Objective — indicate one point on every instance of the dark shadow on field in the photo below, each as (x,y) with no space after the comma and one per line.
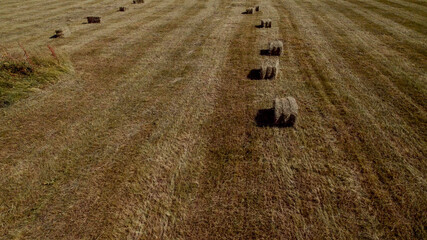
(255,74)
(264,52)
(265,118)
(259,26)
(4,103)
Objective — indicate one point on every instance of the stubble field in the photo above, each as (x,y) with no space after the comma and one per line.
(156,133)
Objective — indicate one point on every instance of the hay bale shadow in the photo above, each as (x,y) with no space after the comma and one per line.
(54,36)
(255,74)
(264,52)
(259,26)
(265,118)
(245,12)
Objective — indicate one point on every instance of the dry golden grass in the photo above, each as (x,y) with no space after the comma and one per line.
(157,133)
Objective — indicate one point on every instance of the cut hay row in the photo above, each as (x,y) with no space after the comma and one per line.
(285,109)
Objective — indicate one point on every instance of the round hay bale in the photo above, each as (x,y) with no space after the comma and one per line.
(62,32)
(285,111)
(263,71)
(268,24)
(274,71)
(59,33)
(276,48)
(249,10)
(268,72)
(93,19)
(122,9)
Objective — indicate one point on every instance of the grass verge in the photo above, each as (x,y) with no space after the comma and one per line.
(21,76)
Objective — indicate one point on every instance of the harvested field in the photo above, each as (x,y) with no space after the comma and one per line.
(154,131)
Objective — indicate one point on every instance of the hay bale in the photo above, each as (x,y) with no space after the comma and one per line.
(269,70)
(275,48)
(59,33)
(285,111)
(266,23)
(122,9)
(93,19)
(249,10)
(274,70)
(262,71)
(138,1)
(62,32)
(257,8)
